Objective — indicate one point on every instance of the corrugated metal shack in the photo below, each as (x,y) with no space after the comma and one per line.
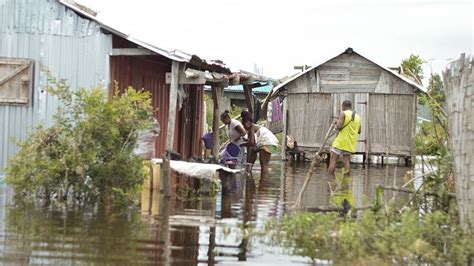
(385,100)
(67,39)
(43,34)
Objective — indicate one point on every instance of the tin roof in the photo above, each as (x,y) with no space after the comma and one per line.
(294,77)
(173,55)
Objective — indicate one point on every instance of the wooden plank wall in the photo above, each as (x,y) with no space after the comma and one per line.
(309,118)
(306,83)
(349,73)
(391,123)
(389,83)
(16,80)
(459,86)
(373,91)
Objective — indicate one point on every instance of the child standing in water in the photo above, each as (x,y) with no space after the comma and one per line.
(261,141)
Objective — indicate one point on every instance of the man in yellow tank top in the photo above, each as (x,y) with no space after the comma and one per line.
(345,142)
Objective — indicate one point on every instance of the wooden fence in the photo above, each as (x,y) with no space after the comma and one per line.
(458,83)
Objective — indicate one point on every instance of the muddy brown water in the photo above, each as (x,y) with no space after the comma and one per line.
(205,231)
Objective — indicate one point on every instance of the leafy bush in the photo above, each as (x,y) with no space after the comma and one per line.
(432,135)
(87,154)
(413,64)
(429,138)
(407,238)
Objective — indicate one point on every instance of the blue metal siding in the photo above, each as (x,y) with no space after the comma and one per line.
(239,88)
(56,38)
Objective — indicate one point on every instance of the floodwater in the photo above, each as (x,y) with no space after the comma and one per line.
(203,231)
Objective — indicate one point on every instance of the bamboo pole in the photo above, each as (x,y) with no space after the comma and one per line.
(311,167)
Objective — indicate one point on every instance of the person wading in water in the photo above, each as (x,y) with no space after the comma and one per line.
(261,141)
(236,132)
(345,142)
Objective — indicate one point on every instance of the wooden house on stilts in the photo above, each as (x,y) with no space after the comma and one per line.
(385,100)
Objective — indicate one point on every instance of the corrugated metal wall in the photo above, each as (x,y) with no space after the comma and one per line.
(56,38)
(309,129)
(191,122)
(149,72)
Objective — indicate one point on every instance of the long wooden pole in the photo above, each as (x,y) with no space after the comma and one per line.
(217,93)
(249,100)
(309,174)
(165,169)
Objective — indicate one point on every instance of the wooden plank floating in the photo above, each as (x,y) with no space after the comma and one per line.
(406,190)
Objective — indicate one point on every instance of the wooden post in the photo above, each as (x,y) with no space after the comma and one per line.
(459,86)
(147,188)
(413,131)
(165,169)
(249,99)
(285,129)
(164,234)
(386,127)
(367,129)
(217,94)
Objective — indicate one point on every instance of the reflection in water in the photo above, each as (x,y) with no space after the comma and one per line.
(342,194)
(51,235)
(359,187)
(207,231)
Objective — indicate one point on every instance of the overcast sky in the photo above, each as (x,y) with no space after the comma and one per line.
(276,35)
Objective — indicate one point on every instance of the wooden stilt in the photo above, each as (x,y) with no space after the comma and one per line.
(166,172)
(367,131)
(226,206)
(217,94)
(249,99)
(386,128)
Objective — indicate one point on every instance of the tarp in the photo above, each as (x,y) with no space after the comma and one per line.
(198,170)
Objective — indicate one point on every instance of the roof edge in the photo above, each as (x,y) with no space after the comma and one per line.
(286,82)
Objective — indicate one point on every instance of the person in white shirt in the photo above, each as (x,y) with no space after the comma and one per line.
(261,141)
(236,133)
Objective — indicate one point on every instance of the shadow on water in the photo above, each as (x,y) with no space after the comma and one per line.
(205,231)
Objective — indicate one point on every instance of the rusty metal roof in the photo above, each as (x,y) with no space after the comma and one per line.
(175,55)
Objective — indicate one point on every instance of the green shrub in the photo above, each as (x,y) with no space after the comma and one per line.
(87,154)
(411,237)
